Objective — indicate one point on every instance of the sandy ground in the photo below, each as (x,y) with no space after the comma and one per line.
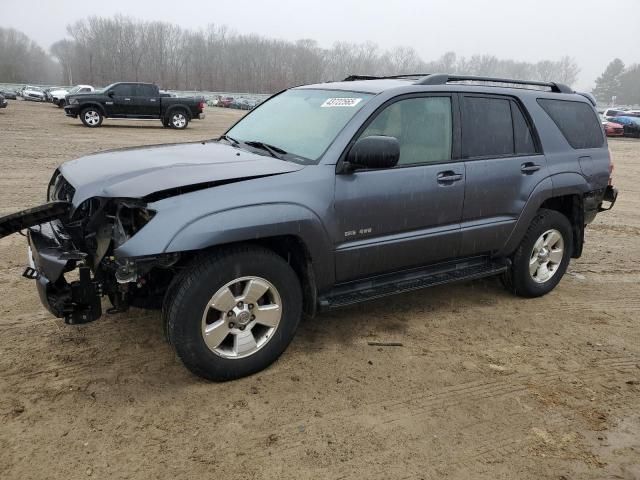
(485,386)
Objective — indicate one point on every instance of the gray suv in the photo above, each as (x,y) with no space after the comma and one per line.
(323,196)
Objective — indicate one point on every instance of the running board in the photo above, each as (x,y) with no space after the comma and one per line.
(382,286)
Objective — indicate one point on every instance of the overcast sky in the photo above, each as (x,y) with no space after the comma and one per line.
(591,31)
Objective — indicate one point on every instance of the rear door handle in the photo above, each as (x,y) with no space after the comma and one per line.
(127,99)
(448,177)
(529,167)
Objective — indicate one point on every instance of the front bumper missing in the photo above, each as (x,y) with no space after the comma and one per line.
(77,301)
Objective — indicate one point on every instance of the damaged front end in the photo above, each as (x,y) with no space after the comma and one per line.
(72,254)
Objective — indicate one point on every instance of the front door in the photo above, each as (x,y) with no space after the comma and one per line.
(122,101)
(409,215)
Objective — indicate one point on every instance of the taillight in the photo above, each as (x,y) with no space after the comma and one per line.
(201,106)
(610,167)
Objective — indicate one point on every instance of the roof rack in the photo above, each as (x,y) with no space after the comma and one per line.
(352,78)
(443,78)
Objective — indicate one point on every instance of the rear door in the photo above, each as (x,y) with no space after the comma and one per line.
(147,101)
(503,162)
(406,216)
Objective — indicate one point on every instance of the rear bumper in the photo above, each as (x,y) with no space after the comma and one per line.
(201,116)
(599,201)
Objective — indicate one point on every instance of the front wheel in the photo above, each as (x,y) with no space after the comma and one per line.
(91,117)
(542,257)
(178,119)
(234,313)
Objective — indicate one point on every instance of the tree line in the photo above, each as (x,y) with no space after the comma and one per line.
(102,50)
(618,84)
(22,60)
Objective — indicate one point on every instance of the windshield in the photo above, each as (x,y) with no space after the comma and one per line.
(302,123)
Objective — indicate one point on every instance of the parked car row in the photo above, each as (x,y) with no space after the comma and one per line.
(621,122)
(237,103)
(58,96)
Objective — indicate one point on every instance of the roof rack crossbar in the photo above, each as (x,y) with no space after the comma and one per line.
(443,78)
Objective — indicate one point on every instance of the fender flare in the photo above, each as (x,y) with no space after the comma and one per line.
(97,105)
(568,183)
(246,224)
(178,106)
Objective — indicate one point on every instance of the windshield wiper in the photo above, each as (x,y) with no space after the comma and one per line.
(229,139)
(275,152)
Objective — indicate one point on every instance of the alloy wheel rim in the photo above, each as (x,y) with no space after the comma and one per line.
(179,120)
(546,256)
(241,317)
(92,117)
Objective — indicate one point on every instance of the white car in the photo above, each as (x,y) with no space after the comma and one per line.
(35,94)
(58,96)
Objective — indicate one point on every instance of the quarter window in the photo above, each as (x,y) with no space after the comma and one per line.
(423,127)
(576,120)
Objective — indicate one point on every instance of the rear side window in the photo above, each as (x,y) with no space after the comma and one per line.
(576,120)
(495,127)
(145,91)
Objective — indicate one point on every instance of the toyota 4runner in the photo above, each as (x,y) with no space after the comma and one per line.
(323,196)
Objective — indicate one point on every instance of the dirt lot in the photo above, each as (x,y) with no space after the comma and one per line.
(485,386)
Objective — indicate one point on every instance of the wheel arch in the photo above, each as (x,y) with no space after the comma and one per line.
(292,231)
(95,105)
(179,106)
(563,193)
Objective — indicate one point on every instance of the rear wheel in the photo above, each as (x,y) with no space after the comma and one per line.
(178,119)
(234,313)
(542,257)
(91,117)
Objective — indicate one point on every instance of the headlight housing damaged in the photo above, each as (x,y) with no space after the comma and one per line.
(131,216)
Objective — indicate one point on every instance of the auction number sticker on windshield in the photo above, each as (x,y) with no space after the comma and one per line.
(341,102)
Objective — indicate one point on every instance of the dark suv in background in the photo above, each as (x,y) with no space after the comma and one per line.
(323,196)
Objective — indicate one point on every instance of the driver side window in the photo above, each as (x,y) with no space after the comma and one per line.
(423,127)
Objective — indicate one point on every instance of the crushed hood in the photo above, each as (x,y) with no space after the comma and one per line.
(141,171)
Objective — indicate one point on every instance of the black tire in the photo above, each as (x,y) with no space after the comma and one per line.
(178,119)
(196,289)
(518,278)
(93,112)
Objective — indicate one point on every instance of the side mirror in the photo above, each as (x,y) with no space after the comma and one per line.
(373,152)
(111,94)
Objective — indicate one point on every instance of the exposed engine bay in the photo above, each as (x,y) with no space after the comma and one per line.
(86,238)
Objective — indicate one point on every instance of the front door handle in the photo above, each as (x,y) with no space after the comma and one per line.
(448,177)
(529,167)
(127,99)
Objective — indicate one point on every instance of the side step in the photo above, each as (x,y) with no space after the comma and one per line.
(382,286)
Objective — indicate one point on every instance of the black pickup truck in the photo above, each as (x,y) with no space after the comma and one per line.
(139,101)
